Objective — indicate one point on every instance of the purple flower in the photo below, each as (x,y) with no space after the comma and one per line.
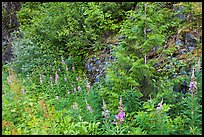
(79,88)
(66,68)
(73,68)
(114,121)
(77,78)
(56,78)
(59,69)
(193,85)
(159,107)
(89,108)
(63,61)
(120,116)
(74,89)
(50,78)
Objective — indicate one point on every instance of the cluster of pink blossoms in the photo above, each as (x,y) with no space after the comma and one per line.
(120,116)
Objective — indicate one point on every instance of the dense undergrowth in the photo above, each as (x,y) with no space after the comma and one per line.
(45,89)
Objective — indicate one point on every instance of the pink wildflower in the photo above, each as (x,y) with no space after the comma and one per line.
(56,78)
(79,88)
(73,68)
(193,83)
(63,61)
(159,107)
(89,108)
(74,89)
(77,78)
(120,116)
(50,78)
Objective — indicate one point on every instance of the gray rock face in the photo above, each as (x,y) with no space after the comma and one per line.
(179,42)
(190,40)
(179,14)
(7,53)
(97,64)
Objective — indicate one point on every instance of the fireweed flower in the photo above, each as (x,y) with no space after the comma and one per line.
(56,78)
(193,83)
(73,68)
(89,107)
(120,116)
(77,78)
(74,89)
(50,78)
(79,88)
(159,107)
(63,61)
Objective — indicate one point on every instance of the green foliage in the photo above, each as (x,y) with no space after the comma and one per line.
(45,88)
(154,121)
(65,29)
(28,56)
(131,71)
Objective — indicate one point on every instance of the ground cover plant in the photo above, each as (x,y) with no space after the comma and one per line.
(152,84)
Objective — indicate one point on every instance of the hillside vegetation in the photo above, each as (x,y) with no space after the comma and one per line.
(102,68)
